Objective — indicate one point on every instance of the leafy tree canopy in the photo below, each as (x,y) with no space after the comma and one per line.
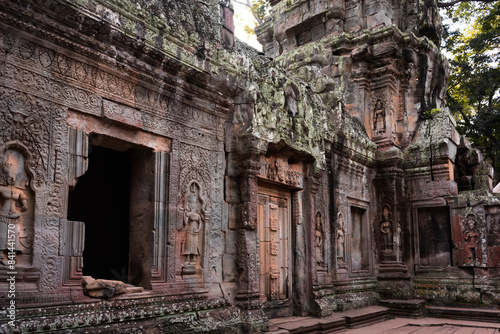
(473,41)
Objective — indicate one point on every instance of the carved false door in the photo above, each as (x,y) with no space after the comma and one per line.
(274,217)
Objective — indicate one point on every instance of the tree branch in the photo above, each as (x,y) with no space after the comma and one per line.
(248,4)
(454,2)
(493,92)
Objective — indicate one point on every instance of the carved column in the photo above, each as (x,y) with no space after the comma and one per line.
(391,228)
(253,318)
(322,294)
(248,291)
(313,190)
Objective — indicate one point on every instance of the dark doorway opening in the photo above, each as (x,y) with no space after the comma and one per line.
(434,232)
(101,199)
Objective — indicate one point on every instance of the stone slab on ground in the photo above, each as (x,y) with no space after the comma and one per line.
(364,315)
(375,319)
(476,314)
(412,308)
(426,326)
(335,322)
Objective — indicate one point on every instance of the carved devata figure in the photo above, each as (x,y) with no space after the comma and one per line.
(386,229)
(320,242)
(340,242)
(379,118)
(194,218)
(14,202)
(471,239)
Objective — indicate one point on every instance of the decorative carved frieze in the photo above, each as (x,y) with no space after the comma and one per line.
(121,113)
(279,170)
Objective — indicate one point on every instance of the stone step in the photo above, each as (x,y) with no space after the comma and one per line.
(473,314)
(371,314)
(335,322)
(411,308)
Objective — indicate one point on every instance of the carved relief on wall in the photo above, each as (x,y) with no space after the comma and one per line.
(277,169)
(386,229)
(471,250)
(194,221)
(390,236)
(26,121)
(397,238)
(340,237)
(379,118)
(320,240)
(16,207)
(471,236)
(383,117)
(198,164)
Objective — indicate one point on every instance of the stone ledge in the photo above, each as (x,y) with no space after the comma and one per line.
(472,314)
(337,321)
(412,308)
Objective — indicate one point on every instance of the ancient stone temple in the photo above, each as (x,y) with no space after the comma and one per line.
(194,184)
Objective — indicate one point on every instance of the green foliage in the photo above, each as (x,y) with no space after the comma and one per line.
(429,114)
(474,83)
(259,10)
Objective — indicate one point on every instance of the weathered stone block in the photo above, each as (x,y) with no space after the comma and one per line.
(318,32)
(334,26)
(121,113)
(232,190)
(229,268)
(304,38)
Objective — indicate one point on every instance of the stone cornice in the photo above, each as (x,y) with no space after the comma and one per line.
(121,51)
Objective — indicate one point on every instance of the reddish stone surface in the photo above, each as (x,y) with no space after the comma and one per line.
(140,144)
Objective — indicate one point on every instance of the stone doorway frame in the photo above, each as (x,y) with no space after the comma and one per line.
(358,204)
(284,306)
(73,233)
